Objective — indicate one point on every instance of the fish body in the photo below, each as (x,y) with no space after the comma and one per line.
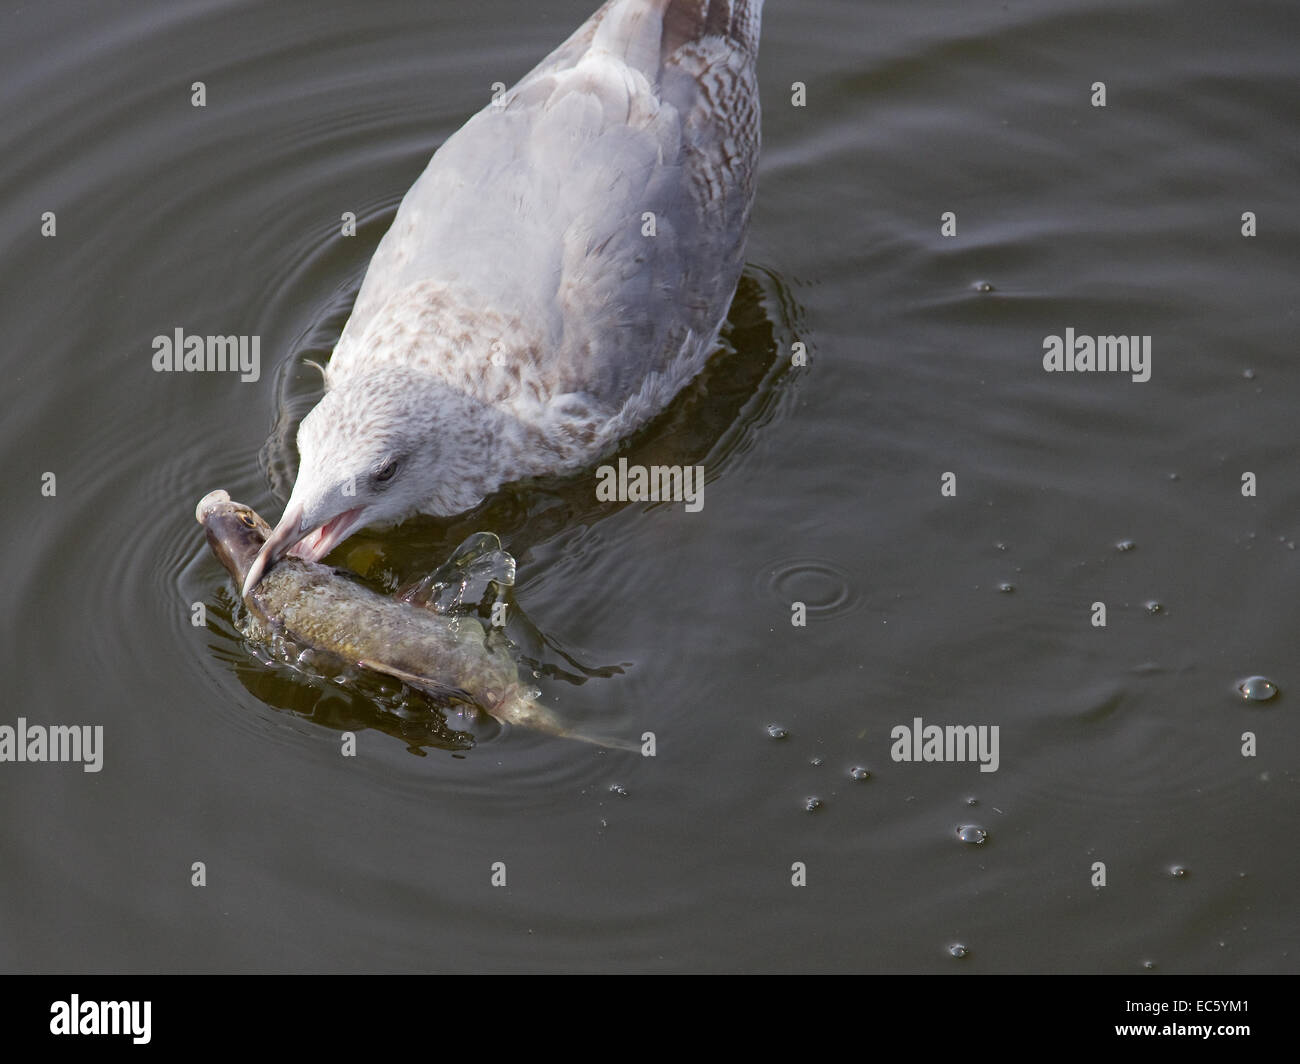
(315,606)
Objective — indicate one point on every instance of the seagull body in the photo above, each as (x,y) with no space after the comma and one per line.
(555,276)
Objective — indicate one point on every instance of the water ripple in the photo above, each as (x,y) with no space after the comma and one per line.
(823,587)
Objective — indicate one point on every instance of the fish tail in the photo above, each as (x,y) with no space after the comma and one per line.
(608,743)
(520,708)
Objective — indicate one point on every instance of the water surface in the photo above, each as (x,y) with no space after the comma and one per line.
(1120,745)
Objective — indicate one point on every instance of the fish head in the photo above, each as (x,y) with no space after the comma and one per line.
(236,533)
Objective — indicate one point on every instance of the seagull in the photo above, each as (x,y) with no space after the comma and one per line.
(556,275)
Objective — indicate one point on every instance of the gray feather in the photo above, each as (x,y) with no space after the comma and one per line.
(515,286)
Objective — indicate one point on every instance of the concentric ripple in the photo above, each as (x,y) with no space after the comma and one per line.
(825,589)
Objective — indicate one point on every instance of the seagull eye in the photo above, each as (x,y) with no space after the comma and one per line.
(388,472)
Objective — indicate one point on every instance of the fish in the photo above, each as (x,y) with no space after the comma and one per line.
(321,608)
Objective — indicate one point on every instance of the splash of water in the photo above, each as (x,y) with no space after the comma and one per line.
(478,575)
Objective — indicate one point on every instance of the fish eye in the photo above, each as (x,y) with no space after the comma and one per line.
(248,520)
(388,472)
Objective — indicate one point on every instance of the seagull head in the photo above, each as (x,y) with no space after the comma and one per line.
(373,451)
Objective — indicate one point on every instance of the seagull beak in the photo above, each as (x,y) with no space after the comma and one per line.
(298,535)
(288,532)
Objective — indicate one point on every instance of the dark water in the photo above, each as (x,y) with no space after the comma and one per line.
(1120,745)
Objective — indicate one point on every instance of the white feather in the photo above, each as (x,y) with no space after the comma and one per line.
(514,319)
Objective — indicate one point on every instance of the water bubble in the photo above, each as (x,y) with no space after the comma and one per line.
(983,286)
(619,789)
(860,774)
(1125,545)
(1154,607)
(813,804)
(816,762)
(1178,871)
(1249,374)
(1257,689)
(777,732)
(958,950)
(1149,965)
(973,834)
(972,801)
